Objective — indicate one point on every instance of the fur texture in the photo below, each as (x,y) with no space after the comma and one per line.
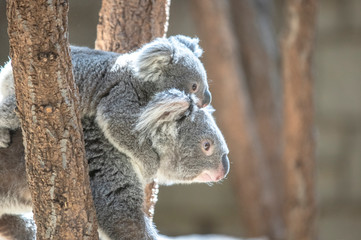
(115,87)
(141,121)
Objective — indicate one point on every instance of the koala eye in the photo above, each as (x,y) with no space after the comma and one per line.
(194,87)
(207,147)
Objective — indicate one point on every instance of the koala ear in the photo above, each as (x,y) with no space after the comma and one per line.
(163,111)
(191,43)
(153,58)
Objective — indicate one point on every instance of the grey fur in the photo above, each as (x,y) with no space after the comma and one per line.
(8,120)
(115,87)
(175,136)
(137,127)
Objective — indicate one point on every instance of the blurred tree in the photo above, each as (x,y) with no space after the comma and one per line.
(234,110)
(47,103)
(255,33)
(275,161)
(125,26)
(299,144)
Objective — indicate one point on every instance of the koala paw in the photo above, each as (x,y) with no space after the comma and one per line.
(4,138)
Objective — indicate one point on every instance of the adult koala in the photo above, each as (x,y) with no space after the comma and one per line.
(189,146)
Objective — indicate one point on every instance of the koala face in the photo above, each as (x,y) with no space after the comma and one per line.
(174,63)
(199,153)
(187,74)
(189,143)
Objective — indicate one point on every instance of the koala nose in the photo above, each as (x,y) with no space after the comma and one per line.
(207,98)
(225,163)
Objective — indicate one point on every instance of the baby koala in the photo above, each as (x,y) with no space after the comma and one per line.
(185,138)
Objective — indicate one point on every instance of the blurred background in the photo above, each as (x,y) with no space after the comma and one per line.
(336,71)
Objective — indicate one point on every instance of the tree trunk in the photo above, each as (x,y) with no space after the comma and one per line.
(234,113)
(299,152)
(259,51)
(125,26)
(47,101)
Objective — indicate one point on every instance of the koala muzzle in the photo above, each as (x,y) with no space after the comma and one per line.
(225,163)
(207,98)
(215,175)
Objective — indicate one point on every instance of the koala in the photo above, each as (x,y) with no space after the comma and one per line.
(114,87)
(186,139)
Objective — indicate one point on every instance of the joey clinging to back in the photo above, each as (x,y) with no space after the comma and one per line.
(132,80)
(160,65)
(113,87)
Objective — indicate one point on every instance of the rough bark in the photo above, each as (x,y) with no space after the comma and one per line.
(234,112)
(299,152)
(255,32)
(47,102)
(124,26)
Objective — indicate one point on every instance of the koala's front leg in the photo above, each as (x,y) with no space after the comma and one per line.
(116,190)
(118,200)
(8,120)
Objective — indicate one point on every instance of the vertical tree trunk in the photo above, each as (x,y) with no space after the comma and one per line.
(299,152)
(124,26)
(234,113)
(259,51)
(260,57)
(47,101)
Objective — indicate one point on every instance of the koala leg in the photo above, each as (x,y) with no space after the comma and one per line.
(119,211)
(8,120)
(117,192)
(17,227)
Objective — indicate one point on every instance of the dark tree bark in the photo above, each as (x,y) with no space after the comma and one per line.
(124,26)
(47,102)
(299,152)
(234,113)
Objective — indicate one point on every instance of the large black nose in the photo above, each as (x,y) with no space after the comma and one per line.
(225,163)
(207,98)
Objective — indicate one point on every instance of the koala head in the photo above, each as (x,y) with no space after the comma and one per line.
(190,145)
(173,63)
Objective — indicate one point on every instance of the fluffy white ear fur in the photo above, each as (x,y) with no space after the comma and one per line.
(153,58)
(162,112)
(6,81)
(191,43)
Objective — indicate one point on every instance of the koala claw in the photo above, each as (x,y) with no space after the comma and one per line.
(4,138)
